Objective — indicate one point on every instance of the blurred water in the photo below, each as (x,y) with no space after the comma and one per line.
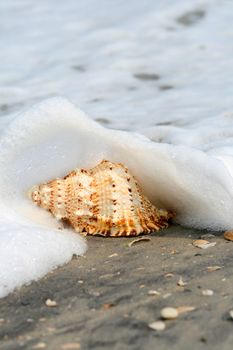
(128,64)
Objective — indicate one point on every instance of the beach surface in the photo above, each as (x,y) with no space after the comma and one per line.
(162,69)
(108,298)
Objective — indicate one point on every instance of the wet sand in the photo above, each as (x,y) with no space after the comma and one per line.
(103,301)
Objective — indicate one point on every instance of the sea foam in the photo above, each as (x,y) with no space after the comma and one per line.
(52,138)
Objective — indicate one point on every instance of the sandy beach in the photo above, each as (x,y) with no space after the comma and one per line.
(108,298)
(158,76)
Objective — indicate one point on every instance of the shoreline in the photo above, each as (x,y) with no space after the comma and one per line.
(103,300)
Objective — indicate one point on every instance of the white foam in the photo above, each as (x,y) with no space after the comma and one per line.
(53,138)
(31,243)
(28,252)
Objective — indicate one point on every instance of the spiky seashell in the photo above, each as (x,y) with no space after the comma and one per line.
(103,200)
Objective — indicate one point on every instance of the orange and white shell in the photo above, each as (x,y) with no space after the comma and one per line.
(104,200)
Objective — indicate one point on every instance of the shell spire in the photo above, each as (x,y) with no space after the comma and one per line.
(104,200)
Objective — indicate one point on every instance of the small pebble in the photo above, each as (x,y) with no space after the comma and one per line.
(167,295)
(231,314)
(207,292)
(203,244)
(40,345)
(169,313)
(184,309)
(112,255)
(153,292)
(157,326)
(213,268)
(169,274)
(50,303)
(138,240)
(70,346)
(51,329)
(95,294)
(30,320)
(181,283)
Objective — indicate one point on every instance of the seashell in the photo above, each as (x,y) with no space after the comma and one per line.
(104,200)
